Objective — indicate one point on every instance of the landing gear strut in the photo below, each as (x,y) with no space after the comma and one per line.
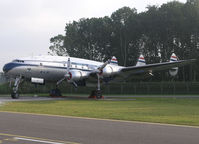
(97,93)
(15,94)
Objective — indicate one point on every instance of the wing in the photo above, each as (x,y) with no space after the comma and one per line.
(128,71)
(138,72)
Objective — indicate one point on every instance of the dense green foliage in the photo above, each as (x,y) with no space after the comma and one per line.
(161,110)
(157,32)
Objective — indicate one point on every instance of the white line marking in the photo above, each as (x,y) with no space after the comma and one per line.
(34,140)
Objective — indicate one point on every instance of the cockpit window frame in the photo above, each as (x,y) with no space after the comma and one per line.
(18,61)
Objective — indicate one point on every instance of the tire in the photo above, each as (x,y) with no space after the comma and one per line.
(98,94)
(14,95)
(55,93)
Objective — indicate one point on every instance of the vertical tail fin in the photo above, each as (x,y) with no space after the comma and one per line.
(114,60)
(141,61)
(173,58)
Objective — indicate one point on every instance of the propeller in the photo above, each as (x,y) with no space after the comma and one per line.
(68,74)
(100,69)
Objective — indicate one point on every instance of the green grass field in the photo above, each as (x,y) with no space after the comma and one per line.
(181,111)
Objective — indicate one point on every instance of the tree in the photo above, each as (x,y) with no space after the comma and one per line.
(156,33)
(122,40)
(57,47)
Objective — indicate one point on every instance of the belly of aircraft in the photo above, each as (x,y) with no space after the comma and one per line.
(46,73)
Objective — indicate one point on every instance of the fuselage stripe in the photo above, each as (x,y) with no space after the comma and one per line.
(14,65)
(173,59)
(141,61)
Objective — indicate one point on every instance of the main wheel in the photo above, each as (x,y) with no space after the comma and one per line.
(15,95)
(98,94)
(55,93)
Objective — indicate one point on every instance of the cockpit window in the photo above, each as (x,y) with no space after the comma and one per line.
(19,61)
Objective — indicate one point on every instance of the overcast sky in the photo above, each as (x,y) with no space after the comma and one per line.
(26,26)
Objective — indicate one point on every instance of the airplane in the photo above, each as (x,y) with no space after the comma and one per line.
(81,72)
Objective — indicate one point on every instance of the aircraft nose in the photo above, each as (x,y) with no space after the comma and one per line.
(7,67)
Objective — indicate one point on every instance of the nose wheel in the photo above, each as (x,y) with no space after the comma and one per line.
(15,94)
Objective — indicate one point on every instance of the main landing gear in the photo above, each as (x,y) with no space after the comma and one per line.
(55,93)
(15,94)
(97,93)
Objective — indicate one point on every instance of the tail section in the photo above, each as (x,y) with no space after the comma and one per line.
(114,60)
(173,58)
(141,61)
(174,71)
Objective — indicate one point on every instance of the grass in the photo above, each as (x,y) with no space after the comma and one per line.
(181,111)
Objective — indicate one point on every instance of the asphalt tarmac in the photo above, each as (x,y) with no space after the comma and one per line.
(36,129)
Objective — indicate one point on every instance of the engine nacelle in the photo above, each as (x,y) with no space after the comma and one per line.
(76,75)
(107,71)
(174,71)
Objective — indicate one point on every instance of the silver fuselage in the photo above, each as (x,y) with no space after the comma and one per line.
(50,68)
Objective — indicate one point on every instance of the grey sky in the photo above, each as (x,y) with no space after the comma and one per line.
(26,26)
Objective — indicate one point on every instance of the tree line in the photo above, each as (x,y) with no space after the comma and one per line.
(156,33)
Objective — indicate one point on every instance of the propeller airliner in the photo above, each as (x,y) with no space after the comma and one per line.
(81,72)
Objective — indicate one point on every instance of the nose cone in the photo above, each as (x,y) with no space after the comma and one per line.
(7,67)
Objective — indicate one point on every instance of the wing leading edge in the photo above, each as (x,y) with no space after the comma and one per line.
(127,71)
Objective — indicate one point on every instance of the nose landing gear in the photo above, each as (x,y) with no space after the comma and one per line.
(15,94)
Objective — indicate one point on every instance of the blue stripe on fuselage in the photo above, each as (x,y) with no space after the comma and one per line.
(141,61)
(12,65)
(173,60)
(9,66)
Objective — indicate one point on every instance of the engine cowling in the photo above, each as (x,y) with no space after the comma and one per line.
(107,71)
(174,71)
(76,75)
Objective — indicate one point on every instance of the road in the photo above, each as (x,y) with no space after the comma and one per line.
(36,129)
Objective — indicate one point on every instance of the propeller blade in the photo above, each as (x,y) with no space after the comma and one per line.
(74,84)
(67,75)
(61,80)
(104,65)
(68,65)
